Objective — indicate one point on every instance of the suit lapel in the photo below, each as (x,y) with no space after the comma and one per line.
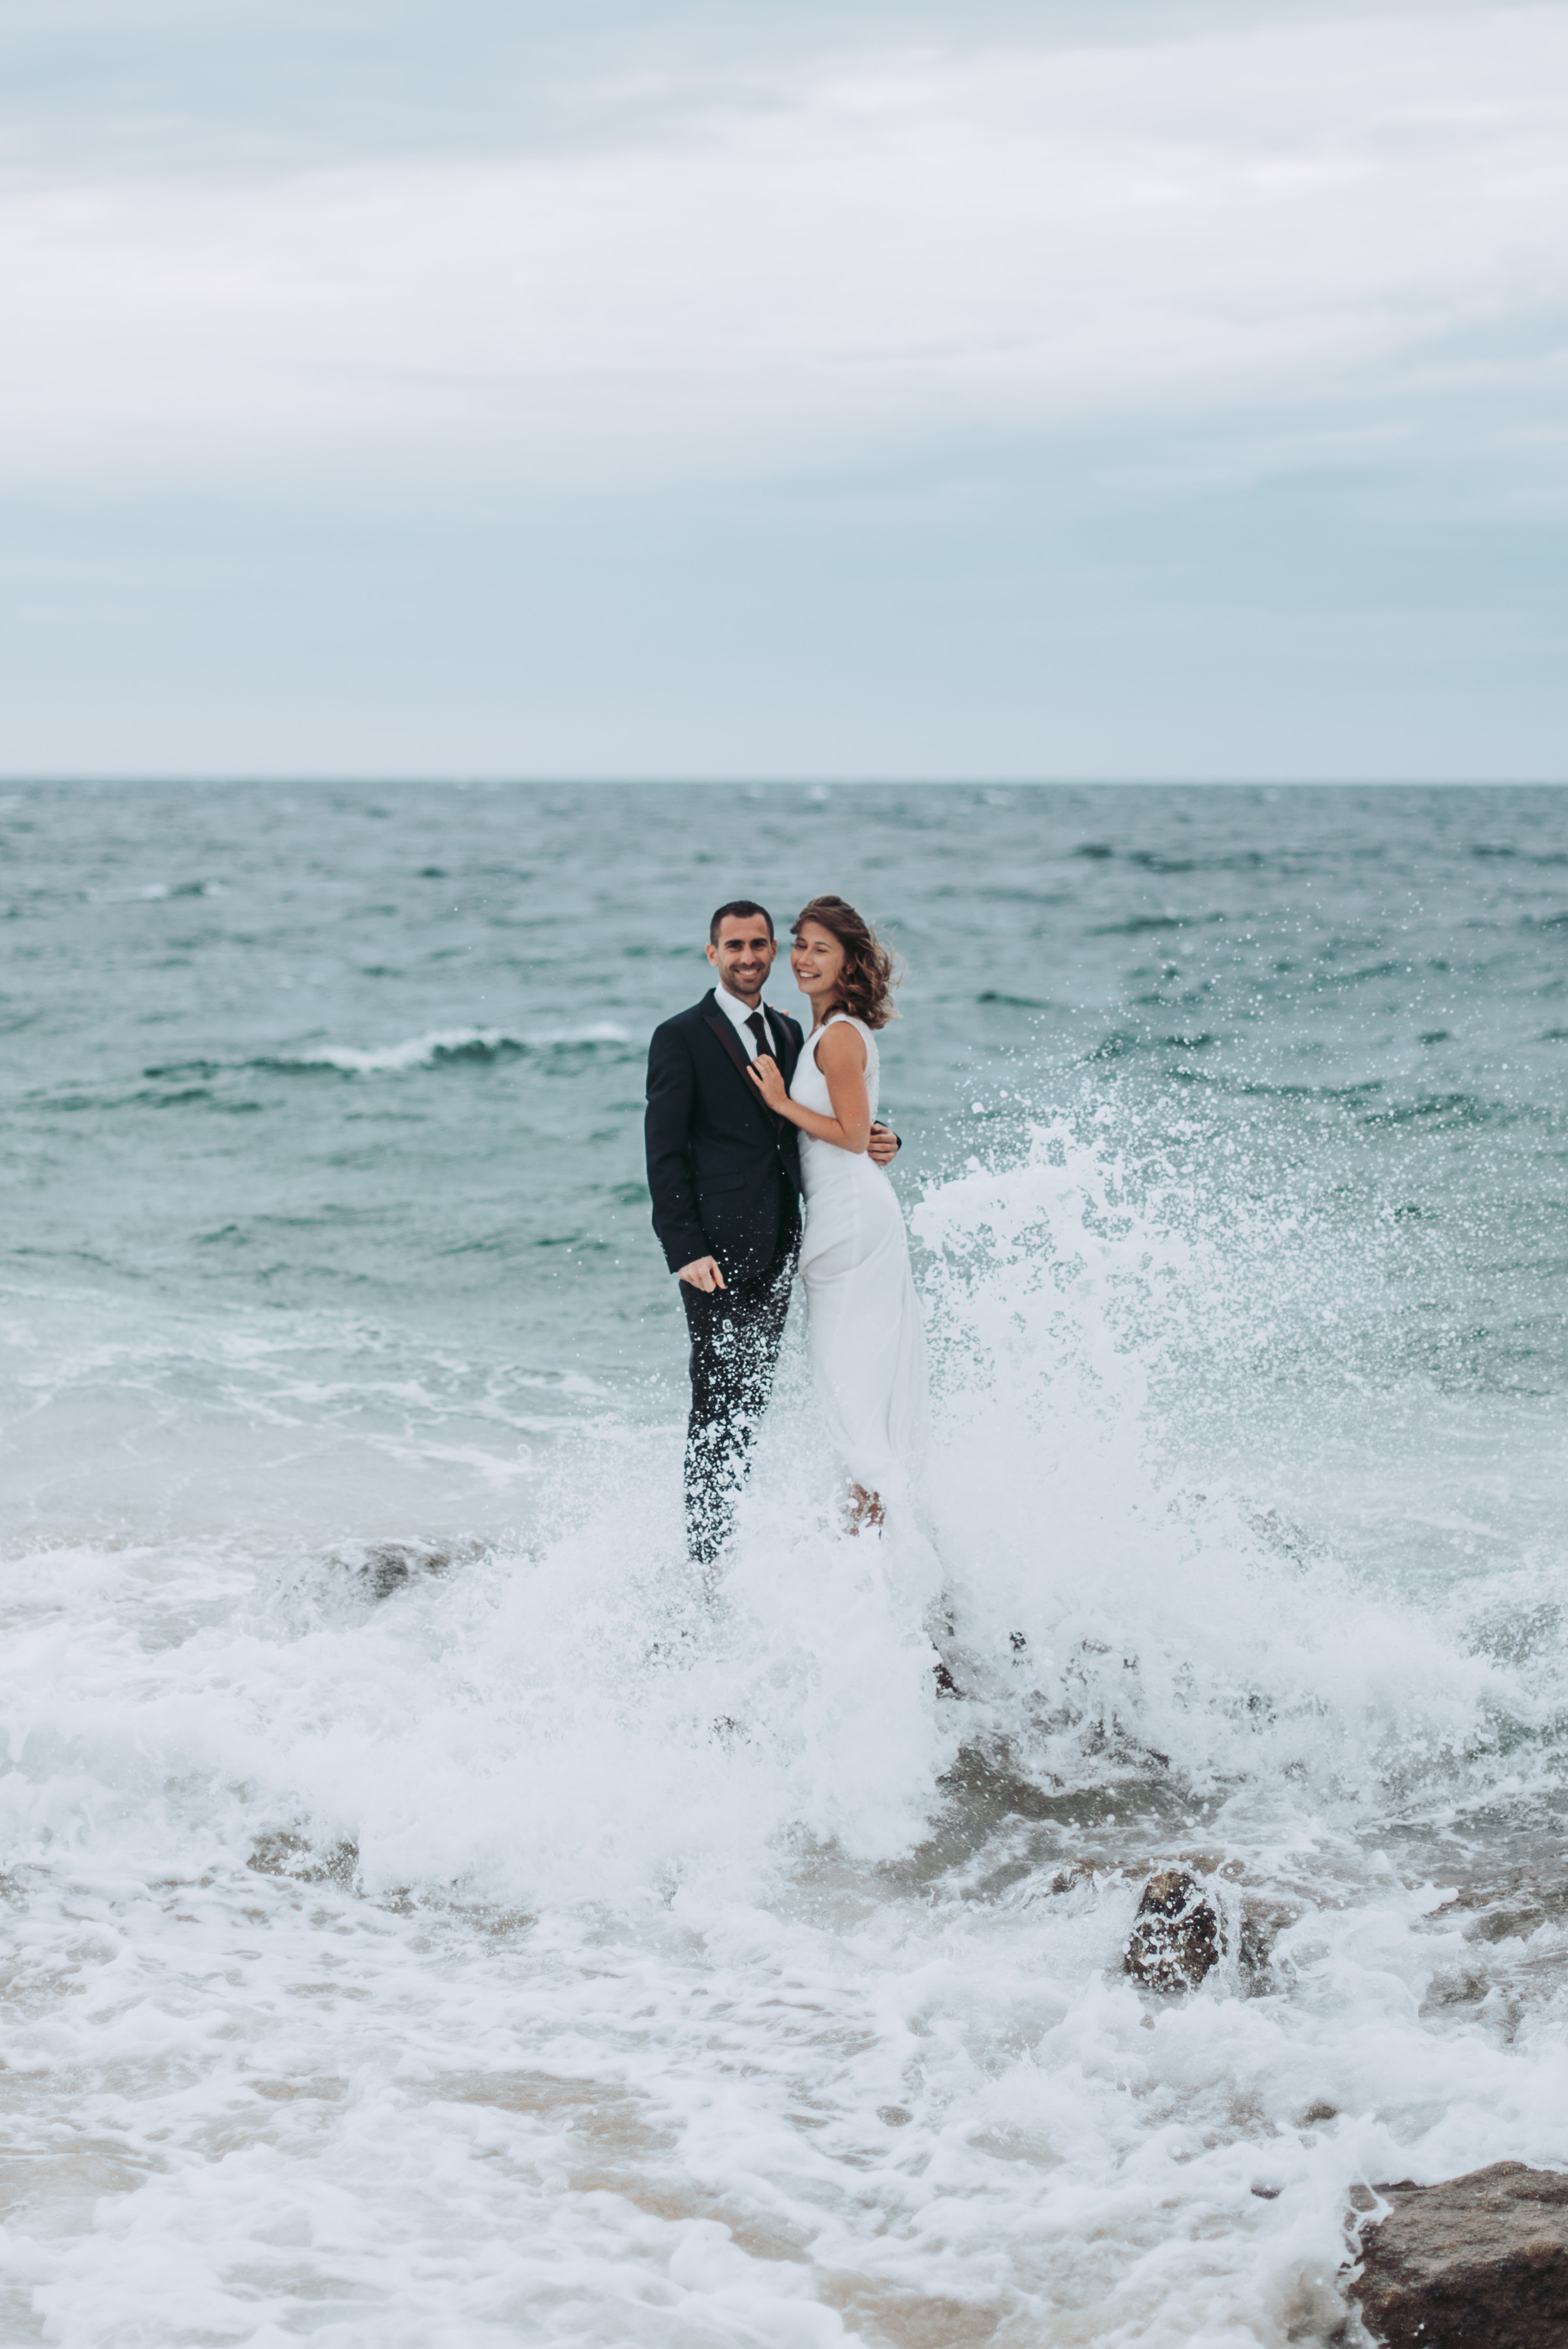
(731,1042)
(737,1052)
(785,1051)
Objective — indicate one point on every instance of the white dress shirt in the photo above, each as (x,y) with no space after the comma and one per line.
(739,1013)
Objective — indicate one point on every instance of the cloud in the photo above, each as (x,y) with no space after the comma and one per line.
(906,246)
(1010,402)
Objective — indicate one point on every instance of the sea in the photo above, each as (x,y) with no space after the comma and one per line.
(428,1922)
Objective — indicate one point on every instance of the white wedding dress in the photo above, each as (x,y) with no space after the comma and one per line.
(867,1341)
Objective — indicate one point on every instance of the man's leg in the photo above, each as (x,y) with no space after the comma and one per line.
(735,1334)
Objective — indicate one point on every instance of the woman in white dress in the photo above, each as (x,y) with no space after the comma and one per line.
(868,1346)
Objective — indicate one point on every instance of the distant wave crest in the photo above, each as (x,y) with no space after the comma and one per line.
(440,1048)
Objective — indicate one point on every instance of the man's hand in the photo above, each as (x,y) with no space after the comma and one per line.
(703,1273)
(883,1144)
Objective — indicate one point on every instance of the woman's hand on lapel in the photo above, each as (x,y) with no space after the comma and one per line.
(765,1074)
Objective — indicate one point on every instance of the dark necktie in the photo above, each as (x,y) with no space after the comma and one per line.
(759,1027)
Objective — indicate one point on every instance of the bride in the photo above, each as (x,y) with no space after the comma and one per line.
(868,1347)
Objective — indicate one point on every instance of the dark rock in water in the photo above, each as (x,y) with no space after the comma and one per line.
(287,1853)
(389,1564)
(1263,1919)
(381,1568)
(1511,1963)
(1478,2262)
(1511,1905)
(1178,1933)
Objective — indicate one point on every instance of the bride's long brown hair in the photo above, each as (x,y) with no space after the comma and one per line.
(868,977)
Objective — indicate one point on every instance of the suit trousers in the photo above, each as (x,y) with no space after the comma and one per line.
(735,1334)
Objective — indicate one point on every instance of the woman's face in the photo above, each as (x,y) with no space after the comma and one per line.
(817,960)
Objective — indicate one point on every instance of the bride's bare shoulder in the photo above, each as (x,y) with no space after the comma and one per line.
(842,1045)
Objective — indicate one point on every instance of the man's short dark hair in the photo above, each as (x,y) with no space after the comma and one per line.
(743,908)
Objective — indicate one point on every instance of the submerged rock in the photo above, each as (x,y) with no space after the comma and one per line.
(1512,1904)
(285,1852)
(381,1568)
(1476,2262)
(1264,1918)
(389,1564)
(1517,1952)
(1179,1934)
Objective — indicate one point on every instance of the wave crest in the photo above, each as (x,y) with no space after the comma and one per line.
(441,1047)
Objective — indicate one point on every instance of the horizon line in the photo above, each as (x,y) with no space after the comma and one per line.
(370,780)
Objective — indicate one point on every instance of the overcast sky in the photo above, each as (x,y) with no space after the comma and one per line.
(779,390)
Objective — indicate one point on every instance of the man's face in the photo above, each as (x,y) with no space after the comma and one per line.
(743,954)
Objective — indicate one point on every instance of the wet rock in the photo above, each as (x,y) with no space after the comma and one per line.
(381,1568)
(1457,1986)
(388,1565)
(1518,1954)
(287,1853)
(1512,1904)
(1179,1934)
(1171,1948)
(1478,2262)
(1263,1919)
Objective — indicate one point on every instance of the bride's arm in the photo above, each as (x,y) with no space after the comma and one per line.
(842,1057)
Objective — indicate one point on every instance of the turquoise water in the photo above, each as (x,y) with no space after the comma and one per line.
(382,1050)
(446,1965)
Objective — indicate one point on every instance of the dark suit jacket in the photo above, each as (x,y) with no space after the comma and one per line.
(724,1172)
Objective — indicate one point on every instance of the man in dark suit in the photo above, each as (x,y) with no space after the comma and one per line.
(725,1175)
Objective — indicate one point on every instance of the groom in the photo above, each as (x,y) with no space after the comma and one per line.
(725,1175)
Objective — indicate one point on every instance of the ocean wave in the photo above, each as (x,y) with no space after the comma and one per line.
(399,1690)
(1137,923)
(438,1049)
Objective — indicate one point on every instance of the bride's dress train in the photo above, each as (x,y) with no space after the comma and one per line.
(867,1341)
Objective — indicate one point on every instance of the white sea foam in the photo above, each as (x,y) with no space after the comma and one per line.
(533,1955)
(451,1044)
